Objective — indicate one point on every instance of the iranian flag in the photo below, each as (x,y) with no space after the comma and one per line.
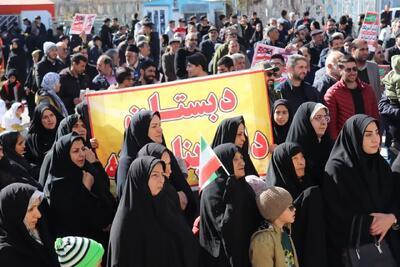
(209,164)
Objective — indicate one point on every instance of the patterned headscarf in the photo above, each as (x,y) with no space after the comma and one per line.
(48,83)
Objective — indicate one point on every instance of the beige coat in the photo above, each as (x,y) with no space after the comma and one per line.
(266,249)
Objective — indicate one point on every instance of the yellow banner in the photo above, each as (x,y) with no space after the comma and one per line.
(189,109)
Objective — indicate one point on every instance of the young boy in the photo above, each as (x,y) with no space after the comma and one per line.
(271,245)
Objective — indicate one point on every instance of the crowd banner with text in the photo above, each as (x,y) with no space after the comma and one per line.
(189,109)
(82,23)
(370,29)
(263,52)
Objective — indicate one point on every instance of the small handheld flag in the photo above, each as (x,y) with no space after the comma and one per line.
(209,164)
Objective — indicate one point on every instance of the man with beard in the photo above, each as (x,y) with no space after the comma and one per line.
(295,89)
(72,81)
(49,63)
(182,54)
(148,73)
(330,29)
(367,70)
(348,97)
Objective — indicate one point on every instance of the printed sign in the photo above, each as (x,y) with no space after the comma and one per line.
(189,109)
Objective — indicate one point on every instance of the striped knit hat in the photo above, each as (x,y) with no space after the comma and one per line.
(78,251)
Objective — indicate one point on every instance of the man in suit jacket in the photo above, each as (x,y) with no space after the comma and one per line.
(394,50)
(367,70)
(168,60)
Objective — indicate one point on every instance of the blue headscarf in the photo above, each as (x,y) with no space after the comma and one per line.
(48,83)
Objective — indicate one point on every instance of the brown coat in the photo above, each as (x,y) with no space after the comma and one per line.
(266,248)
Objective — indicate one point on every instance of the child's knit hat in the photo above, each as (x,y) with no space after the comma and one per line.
(78,251)
(273,201)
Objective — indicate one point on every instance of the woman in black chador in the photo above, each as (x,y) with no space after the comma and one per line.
(24,238)
(233,130)
(146,230)
(281,120)
(358,184)
(41,135)
(175,184)
(228,213)
(77,191)
(288,168)
(308,129)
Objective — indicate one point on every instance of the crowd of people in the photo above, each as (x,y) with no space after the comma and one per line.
(331,193)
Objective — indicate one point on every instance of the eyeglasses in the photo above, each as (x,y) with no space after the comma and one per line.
(319,118)
(232,34)
(348,70)
(193,40)
(292,208)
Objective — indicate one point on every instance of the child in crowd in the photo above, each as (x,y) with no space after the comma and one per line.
(78,252)
(391,81)
(11,91)
(271,245)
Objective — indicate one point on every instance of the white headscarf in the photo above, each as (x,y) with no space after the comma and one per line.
(10,118)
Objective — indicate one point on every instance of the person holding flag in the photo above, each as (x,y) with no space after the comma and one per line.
(228,211)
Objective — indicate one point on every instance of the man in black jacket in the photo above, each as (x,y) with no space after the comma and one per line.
(72,81)
(153,40)
(106,35)
(49,63)
(295,89)
(207,47)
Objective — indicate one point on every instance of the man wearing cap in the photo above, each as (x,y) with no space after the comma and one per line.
(132,60)
(106,35)
(207,47)
(49,62)
(168,60)
(315,46)
(271,37)
(182,54)
(203,27)
(394,50)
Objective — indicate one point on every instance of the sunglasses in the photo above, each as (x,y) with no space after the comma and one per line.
(292,208)
(348,70)
(271,74)
(193,40)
